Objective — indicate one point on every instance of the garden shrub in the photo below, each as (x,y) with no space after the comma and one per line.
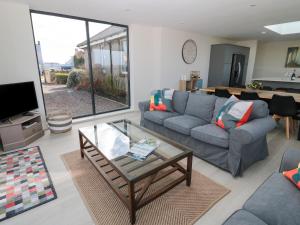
(111,86)
(74,78)
(61,78)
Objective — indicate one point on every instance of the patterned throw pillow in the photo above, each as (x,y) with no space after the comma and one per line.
(293,175)
(234,113)
(162,100)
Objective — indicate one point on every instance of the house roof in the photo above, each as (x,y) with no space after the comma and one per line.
(108,32)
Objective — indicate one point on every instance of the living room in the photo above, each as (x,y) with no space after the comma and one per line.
(94,76)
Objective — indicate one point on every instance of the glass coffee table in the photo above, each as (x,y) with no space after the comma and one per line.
(106,146)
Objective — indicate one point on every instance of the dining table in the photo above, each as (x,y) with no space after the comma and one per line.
(263,94)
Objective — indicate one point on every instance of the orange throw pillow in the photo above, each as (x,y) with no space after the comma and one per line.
(293,175)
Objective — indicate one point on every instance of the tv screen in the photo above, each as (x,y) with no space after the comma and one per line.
(16,99)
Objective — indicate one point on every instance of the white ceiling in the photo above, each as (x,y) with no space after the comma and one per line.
(233,19)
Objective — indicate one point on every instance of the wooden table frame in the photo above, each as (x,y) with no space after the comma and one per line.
(134,198)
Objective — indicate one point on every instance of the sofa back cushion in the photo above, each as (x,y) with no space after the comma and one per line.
(218,105)
(179,101)
(260,110)
(201,106)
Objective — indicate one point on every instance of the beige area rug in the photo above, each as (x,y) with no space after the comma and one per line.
(181,205)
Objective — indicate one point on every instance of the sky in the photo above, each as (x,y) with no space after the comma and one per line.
(59,36)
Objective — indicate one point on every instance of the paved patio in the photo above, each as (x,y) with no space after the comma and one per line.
(77,101)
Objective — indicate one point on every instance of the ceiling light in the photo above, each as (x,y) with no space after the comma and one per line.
(263,32)
(285,28)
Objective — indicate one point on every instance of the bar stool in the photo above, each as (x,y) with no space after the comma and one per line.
(224,93)
(284,107)
(249,95)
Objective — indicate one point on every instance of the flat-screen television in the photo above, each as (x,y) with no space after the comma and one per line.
(16,99)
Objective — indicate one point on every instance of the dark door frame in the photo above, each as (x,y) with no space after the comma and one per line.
(86,20)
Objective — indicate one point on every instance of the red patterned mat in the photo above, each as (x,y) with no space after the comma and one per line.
(24,182)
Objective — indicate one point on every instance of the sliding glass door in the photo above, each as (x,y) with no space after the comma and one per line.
(83,64)
(109,63)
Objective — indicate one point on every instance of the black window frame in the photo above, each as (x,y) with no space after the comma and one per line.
(86,20)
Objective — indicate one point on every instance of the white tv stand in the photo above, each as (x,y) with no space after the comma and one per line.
(19,131)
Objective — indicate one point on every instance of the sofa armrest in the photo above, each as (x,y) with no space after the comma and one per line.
(144,106)
(290,160)
(252,130)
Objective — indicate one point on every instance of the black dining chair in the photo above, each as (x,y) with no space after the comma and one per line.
(282,89)
(224,93)
(249,95)
(293,90)
(284,107)
(267,88)
(297,118)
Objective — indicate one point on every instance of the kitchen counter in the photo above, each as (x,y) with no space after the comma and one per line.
(277,79)
(279,82)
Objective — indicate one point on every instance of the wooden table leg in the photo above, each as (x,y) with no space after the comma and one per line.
(81,145)
(189,170)
(132,208)
(287,127)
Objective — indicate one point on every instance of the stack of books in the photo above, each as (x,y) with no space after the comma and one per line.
(142,149)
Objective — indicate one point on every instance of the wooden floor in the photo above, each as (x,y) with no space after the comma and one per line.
(69,209)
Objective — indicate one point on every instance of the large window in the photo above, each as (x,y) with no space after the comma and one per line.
(83,64)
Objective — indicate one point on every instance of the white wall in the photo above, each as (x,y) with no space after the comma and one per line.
(17,59)
(172,64)
(270,58)
(144,42)
(156,59)
(252,44)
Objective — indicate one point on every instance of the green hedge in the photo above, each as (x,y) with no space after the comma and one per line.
(61,78)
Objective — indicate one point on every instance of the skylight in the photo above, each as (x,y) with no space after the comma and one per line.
(285,28)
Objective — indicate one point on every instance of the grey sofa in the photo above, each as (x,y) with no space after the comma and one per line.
(275,202)
(192,124)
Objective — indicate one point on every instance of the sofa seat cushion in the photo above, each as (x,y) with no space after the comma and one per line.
(211,134)
(158,116)
(183,124)
(276,201)
(243,217)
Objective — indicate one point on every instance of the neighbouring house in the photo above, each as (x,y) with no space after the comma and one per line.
(108,51)
(52,66)
(69,65)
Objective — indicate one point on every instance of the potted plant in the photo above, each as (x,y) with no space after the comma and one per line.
(255,85)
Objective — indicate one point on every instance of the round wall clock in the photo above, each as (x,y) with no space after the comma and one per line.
(189,51)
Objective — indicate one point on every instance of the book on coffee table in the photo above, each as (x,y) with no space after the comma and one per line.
(142,149)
